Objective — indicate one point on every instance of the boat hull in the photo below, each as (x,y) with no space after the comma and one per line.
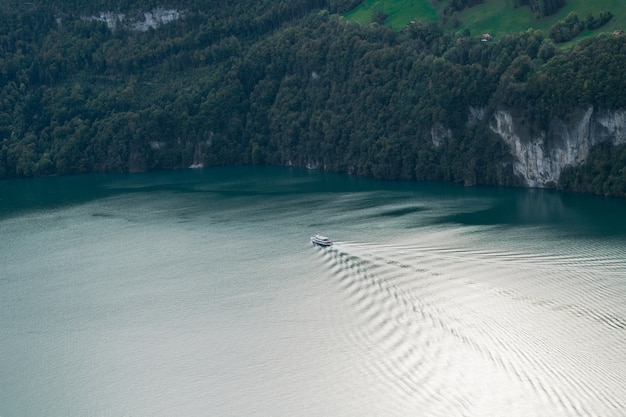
(321,241)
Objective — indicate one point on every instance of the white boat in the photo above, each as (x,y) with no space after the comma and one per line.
(321,240)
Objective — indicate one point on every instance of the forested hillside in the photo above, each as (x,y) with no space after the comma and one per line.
(287,83)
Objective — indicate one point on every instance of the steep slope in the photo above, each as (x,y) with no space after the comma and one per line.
(298,85)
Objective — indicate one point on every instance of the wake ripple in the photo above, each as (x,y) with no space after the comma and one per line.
(475,331)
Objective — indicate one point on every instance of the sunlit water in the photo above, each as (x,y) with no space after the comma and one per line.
(198,293)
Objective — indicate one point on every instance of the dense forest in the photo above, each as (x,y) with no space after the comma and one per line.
(285,83)
(541,7)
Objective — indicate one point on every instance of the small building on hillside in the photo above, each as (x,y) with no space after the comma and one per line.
(618,32)
(486,37)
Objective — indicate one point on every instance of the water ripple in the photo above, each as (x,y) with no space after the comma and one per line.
(473,330)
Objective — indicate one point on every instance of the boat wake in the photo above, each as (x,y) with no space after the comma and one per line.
(473,331)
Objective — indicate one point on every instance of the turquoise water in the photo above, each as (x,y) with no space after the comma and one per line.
(198,293)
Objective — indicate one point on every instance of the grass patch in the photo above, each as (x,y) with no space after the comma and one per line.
(497,17)
(400,12)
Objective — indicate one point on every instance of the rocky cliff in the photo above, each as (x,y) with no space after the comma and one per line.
(140,21)
(540,157)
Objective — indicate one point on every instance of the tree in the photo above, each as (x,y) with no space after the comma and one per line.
(378,13)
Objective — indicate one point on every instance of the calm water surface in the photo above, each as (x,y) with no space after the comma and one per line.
(198,293)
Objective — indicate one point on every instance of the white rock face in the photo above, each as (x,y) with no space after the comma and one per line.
(151,19)
(155,18)
(476,114)
(440,134)
(541,158)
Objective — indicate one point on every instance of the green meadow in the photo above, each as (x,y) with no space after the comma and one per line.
(400,12)
(497,17)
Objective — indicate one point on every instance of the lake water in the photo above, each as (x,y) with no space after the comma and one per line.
(198,293)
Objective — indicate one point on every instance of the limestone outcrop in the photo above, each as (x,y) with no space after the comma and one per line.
(541,157)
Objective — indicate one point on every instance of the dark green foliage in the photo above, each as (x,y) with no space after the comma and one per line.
(342,6)
(378,14)
(603,173)
(592,22)
(283,83)
(541,7)
(567,29)
(592,73)
(457,6)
